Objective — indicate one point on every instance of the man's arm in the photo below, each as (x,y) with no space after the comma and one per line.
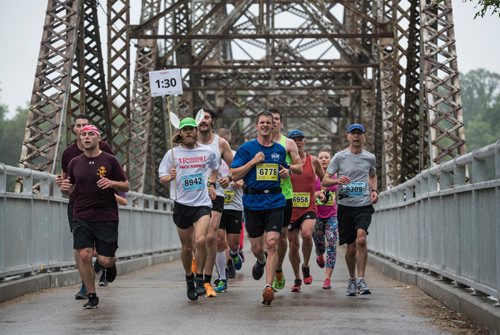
(240,172)
(318,169)
(292,150)
(373,182)
(328,181)
(227,156)
(120,186)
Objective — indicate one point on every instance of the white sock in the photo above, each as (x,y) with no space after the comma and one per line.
(220,262)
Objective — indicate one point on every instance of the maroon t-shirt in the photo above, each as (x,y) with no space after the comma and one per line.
(90,202)
(73,151)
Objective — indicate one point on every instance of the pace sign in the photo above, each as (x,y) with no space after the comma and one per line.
(165,82)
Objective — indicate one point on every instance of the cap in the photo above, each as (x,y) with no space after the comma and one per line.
(90,127)
(356,126)
(295,133)
(188,122)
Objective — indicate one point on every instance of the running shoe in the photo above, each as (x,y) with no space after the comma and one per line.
(191,290)
(199,287)
(326,284)
(351,287)
(320,260)
(267,296)
(103,281)
(92,302)
(297,284)
(237,261)
(279,281)
(221,286)
(230,269)
(209,291)
(82,293)
(258,270)
(362,286)
(97,266)
(194,266)
(307,275)
(111,273)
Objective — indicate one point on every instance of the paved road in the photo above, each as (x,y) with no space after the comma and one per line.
(153,301)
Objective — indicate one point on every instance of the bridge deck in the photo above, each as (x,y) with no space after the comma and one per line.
(153,300)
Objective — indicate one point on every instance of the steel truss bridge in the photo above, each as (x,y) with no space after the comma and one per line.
(390,64)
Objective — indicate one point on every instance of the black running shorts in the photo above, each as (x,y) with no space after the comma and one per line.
(351,219)
(186,216)
(231,221)
(258,222)
(218,204)
(103,235)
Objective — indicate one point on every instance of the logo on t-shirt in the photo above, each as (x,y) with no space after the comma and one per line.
(101,171)
(275,157)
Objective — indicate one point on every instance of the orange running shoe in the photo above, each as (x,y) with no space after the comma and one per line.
(267,296)
(209,291)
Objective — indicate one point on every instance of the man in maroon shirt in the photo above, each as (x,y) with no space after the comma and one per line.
(92,180)
(75,150)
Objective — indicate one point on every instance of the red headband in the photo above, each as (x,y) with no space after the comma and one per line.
(90,127)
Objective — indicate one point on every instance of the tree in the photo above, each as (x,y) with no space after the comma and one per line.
(481,107)
(486,6)
(11,135)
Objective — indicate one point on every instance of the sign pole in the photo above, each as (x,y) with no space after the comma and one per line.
(166,101)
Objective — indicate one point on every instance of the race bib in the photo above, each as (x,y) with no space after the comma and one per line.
(355,189)
(301,199)
(193,182)
(267,172)
(228,197)
(330,202)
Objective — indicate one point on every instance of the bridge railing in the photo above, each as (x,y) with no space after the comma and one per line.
(446,220)
(34,229)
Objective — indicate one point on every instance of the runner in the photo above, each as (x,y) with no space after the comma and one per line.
(223,152)
(326,225)
(93,178)
(261,163)
(187,167)
(230,226)
(293,159)
(355,169)
(304,210)
(72,151)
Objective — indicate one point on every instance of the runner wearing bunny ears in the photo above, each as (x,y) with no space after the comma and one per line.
(187,167)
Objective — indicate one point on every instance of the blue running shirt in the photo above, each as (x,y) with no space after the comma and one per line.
(262,176)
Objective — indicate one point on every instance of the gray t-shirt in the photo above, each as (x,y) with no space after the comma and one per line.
(357,167)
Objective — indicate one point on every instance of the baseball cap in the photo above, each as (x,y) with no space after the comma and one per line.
(187,122)
(90,127)
(295,133)
(356,126)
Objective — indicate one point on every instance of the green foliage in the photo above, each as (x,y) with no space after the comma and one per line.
(481,107)
(486,6)
(11,135)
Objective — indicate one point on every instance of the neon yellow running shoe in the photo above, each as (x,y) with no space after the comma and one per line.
(279,281)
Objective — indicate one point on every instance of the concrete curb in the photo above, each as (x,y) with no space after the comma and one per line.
(477,308)
(15,288)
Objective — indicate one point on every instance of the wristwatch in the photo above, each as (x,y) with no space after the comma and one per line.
(230,178)
(211,183)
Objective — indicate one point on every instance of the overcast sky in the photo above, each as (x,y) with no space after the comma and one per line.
(21,23)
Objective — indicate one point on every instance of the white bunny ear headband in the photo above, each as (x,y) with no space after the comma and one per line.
(199,116)
(174,119)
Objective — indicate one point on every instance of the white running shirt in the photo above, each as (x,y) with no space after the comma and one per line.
(193,168)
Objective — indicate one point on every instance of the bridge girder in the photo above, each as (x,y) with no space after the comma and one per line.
(390,64)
